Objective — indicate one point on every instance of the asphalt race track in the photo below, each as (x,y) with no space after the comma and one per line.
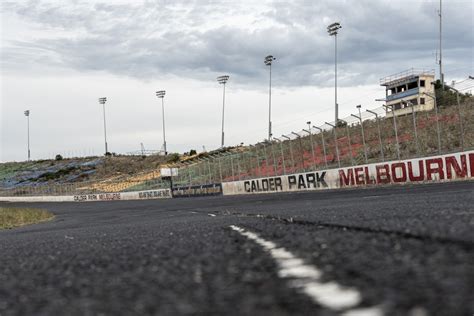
(386,251)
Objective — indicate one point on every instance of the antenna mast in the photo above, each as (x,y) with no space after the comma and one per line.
(441,75)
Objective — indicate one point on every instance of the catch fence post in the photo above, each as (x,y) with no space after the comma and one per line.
(273,157)
(232,167)
(291,152)
(461,127)
(413,113)
(312,146)
(335,143)
(379,132)
(349,141)
(362,132)
(324,145)
(396,130)
(282,154)
(209,168)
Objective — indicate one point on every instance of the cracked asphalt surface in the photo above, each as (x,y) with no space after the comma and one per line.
(408,250)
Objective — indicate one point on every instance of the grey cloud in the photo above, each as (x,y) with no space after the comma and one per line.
(165,38)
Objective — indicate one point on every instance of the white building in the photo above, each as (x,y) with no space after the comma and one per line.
(407,87)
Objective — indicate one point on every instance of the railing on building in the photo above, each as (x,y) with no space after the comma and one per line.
(404,75)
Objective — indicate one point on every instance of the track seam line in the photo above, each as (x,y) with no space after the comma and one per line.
(460,243)
(306,279)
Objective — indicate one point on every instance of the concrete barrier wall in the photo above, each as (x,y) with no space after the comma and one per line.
(138,195)
(452,167)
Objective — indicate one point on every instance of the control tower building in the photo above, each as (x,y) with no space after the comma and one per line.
(407,87)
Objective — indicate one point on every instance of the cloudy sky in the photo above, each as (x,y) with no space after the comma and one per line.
(59,57)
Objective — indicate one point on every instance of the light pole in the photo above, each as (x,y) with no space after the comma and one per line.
(27,114)
(161,95)
(222,80)
(268,62)
(102,101)
(332,30)
(362,130)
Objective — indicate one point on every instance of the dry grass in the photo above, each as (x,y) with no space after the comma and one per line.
(15,216)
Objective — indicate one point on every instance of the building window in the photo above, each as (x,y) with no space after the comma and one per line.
(412,85)
(422,100)
(422,83)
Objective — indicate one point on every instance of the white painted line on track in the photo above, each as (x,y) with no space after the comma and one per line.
(306,278)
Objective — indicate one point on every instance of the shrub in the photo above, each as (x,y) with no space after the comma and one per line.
(173,158)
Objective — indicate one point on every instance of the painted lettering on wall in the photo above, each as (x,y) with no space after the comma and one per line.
(426,169)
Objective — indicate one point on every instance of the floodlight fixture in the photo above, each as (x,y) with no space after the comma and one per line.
(268,60)
(332,29)
(161,93)
(222,79)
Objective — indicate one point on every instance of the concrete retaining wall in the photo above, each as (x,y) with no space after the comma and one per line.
(452,167)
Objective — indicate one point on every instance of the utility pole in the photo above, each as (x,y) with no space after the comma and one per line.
(441,74)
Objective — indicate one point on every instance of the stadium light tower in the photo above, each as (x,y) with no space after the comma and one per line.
(268,62)
(27,114)
(161,95)
(332,30)
(102,101)
(222,80)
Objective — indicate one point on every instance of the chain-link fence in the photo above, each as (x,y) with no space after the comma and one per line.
(368,136)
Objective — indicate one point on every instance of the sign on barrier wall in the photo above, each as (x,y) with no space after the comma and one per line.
(198,190)
(138,195)
(450,167)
